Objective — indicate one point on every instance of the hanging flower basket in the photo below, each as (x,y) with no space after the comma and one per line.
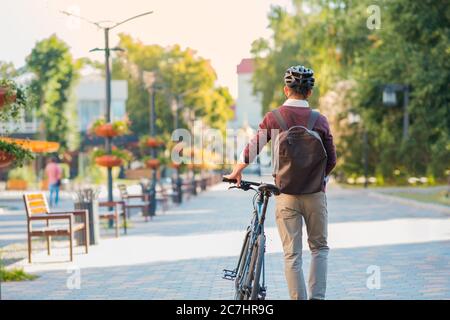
(103,129)
(195,166)
(13,100)
(205,166)
(115,159)
(108,161)
(154,143)
(175,165)
(5,97)
(12,153)
(6,159)
(153,163)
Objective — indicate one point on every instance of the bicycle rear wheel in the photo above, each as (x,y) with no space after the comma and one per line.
(252,286)
(242,263)
(256,287)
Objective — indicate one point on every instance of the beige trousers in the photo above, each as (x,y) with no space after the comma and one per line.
(290,210)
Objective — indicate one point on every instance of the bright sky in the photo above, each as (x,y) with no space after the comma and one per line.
(219,30)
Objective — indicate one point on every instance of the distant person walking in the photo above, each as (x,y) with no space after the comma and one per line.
(54,173)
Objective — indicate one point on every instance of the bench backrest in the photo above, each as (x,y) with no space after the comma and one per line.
(35,203)
(123,191)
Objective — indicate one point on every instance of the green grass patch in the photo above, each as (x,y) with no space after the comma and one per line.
(105,225)
(432,197)
(375,186)
(15,275)
(128,224)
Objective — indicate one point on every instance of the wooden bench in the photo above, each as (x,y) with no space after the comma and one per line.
(174,194)
(118,210)
(188,188)
(144,204)
(162,197)
(37,209)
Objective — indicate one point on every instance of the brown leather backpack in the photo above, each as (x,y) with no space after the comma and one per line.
(299,157)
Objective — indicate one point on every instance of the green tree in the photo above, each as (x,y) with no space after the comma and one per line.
(55,72)
(412,48)
(179,73)
(7,70)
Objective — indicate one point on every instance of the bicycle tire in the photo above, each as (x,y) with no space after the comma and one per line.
(244,253)
(249,276)
(259,264)
(243,261)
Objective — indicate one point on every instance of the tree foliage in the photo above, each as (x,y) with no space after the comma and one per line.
(55,71)
(7,70)
(180,74)
(411,48)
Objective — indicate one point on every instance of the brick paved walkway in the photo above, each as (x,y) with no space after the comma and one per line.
(181,254)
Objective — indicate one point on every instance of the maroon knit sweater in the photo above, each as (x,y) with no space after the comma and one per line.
(293,116)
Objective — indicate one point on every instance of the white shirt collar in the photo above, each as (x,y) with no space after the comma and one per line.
(296,103)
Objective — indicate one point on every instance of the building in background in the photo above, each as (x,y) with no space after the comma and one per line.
(91,100)
(90,95)
(248,108)
(248,115)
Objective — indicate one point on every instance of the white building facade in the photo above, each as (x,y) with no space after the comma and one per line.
(248,114)
(91,100)
(90,95)
(248,108)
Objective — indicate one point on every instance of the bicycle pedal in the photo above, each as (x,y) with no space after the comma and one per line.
(229,274)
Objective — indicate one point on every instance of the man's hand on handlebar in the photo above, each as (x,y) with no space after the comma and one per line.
(237,173)
(235,176)
(244,185)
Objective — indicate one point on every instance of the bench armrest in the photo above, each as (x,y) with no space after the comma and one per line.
(109,204)
(83,213)
(136,196)
(52,216)
(73,212)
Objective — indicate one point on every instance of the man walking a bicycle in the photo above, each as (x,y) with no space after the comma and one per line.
(303,157)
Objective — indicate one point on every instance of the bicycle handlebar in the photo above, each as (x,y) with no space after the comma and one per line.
(250,183)
(245,185)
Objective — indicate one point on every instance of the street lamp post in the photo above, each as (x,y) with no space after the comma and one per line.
(107,50)
(108,140)
(366,157)
(152,207)
(194,182)
(178,182)
(354,118)
(189,116)
(390,99)
(149,80)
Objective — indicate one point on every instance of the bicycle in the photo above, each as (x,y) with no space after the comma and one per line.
(250,266)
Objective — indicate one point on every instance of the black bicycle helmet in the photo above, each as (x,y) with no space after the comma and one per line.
(299,78)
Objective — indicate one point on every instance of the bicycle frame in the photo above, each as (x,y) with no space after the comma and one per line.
(255,229)
(251,263)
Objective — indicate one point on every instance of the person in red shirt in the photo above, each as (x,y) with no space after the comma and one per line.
(292,209)
(53,172)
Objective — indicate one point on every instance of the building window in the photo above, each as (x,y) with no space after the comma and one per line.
(117,109)
(88,112)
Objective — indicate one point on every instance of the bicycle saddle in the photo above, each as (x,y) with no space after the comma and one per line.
(270,188)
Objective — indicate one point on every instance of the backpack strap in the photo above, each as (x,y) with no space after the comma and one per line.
(312,119)
(280,119)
